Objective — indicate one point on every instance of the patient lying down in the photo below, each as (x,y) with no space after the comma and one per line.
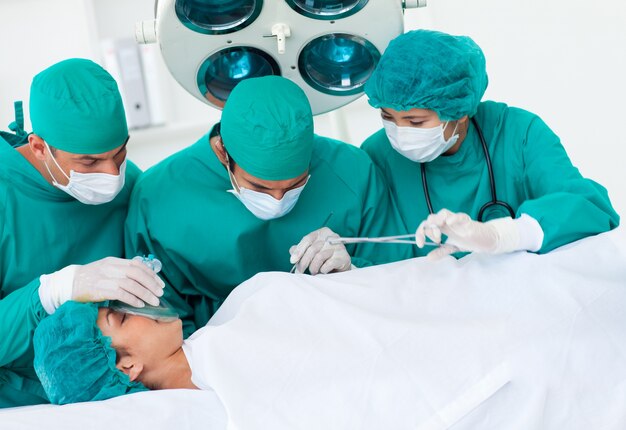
(84,353)
(514,341)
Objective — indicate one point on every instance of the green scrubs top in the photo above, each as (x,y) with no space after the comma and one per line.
(209,242)
(532,173)
(42,230)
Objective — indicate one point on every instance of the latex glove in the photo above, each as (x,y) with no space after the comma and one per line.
(108,279)
(315,253)
(498,236)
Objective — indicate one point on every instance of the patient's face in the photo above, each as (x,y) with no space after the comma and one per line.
(145,339)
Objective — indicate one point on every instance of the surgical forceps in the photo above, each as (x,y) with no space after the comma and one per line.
(408,239)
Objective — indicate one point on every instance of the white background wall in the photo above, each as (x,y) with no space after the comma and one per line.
(562,59)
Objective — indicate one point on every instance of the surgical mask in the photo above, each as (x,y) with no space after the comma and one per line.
(90,188)
(262,205)
(419,144)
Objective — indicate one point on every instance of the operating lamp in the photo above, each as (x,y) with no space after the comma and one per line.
(327,47)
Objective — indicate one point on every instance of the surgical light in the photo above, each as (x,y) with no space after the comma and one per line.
(219,73)
(338,64)
(328,47)
(326,9)
(217,16)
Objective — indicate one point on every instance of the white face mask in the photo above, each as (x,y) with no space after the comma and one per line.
(90,188)
(419,144)
(264,206)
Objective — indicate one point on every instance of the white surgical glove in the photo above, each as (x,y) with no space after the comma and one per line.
(497,236)
(108,279)
(318,255)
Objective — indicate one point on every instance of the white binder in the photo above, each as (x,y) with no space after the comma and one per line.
(122,60)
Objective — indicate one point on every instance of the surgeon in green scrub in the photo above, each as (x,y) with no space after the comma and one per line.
(64,192)
(428,86)
(260,192)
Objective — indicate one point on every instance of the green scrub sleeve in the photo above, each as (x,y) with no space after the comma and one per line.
(568,206)
(380,218)
(16,390)
(21,312)
(360,262)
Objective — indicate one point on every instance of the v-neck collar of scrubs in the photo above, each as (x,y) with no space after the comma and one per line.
(470,154)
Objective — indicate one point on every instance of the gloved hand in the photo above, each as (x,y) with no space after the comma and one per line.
(108,279)
(498,236)
(318,255)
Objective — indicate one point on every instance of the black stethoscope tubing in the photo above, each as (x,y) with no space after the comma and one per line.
(492,182)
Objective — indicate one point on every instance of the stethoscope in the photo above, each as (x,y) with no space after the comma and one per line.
(492,183)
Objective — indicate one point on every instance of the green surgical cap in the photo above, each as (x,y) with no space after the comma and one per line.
(430,70)
(267,128)
(75,106)
(74,361)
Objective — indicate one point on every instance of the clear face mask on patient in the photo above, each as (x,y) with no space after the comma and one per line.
(420,144)
(163,312)
(262,205)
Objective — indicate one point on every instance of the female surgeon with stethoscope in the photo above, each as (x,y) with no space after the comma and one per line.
(492,178)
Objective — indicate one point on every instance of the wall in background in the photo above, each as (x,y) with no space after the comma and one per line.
(48,31)
(562,59)
(34,35)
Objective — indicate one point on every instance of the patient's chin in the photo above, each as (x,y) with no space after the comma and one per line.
(177,327)
(170,337)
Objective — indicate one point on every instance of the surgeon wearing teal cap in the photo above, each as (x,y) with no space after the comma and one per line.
(260,192)
(64,192)
(494,178)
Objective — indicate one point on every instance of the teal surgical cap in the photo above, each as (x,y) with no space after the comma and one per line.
(74,361)
(430,70)
(75,106)
(267,128)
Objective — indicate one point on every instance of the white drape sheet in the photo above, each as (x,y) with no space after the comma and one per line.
(516,341)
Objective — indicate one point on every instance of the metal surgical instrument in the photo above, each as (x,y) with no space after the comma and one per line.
(408,239)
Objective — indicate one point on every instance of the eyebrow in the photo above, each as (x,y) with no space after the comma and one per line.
(263,187)
(422,116)
(89,157)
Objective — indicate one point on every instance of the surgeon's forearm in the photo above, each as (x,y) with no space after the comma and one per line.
(20,311)
(567,205)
